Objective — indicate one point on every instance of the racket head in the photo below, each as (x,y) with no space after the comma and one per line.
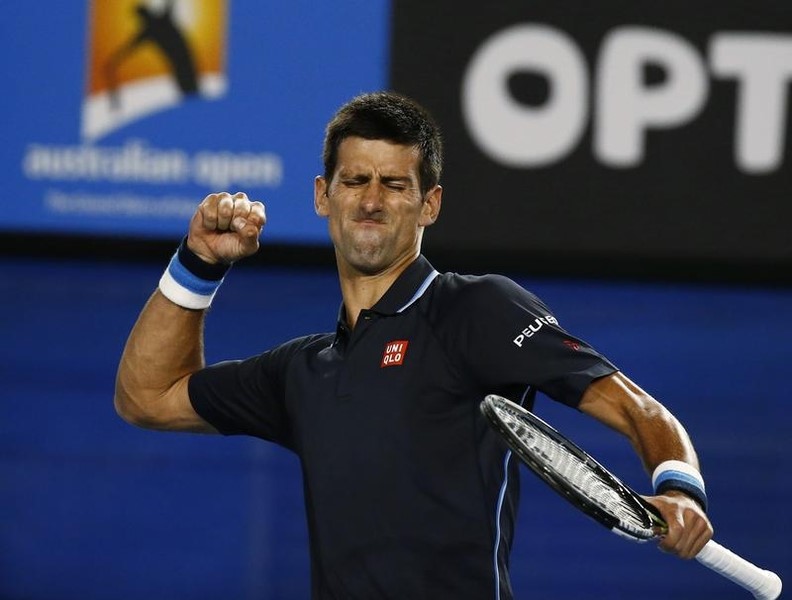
(572,472)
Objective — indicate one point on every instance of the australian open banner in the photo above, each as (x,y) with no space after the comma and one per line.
(607,130)
(575,131)
(124,114)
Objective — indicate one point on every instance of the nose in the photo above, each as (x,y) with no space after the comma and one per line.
(371,199)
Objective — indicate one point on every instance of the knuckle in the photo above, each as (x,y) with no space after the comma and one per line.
(225,207)
(207,213)
(241,206)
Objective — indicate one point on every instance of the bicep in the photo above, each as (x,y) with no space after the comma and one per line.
(182,416)
(174,412)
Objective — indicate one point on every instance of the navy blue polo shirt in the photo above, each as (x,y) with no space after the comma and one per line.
(408,492)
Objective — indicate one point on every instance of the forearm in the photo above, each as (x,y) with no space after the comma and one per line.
(166,343)
(163,349)
(653,431)
(658,436)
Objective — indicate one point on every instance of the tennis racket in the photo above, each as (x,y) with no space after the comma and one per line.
(589,486)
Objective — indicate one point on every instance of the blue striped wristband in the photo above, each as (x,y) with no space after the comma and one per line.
(189,281)
(681,476)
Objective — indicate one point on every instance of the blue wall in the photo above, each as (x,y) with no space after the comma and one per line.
(95,509)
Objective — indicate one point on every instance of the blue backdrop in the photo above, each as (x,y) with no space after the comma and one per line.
(282,69)
(94,509)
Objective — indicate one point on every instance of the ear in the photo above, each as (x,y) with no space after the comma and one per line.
(320,196)
(430,209)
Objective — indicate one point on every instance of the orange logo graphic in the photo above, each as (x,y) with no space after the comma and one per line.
(146,56)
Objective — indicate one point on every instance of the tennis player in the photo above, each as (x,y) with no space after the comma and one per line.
(406,489)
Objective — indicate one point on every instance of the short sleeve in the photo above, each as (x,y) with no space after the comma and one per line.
(509,338)
(247,396)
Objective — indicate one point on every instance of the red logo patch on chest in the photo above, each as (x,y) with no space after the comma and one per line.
(394,354)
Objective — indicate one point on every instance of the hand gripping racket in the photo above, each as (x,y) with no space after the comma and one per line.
(589,486)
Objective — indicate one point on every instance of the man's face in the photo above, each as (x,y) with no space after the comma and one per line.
(374,206)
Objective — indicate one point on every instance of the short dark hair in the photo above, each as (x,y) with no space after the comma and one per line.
(392,117)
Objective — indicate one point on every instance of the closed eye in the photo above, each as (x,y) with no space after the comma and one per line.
(397,184)
(358,181)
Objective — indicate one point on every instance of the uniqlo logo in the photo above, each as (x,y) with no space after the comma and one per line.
(394,353)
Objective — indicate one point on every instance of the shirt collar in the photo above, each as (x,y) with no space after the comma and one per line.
(403,291)
(412,282)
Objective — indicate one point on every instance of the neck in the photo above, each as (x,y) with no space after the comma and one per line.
(361,291)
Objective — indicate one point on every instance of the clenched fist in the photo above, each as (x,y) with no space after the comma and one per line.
(226,228)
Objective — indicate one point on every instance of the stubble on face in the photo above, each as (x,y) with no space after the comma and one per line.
(374,205)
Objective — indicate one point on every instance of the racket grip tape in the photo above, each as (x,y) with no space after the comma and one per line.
(763,584)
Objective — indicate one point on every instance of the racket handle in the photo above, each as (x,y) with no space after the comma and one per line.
(763,584)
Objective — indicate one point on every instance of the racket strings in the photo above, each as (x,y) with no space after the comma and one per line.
(565,465)
(591,488)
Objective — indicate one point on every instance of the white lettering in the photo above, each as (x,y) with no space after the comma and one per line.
(118,204)
(762,65)
(390,359)
(222,170)
(137,162)
(518,135)
(533,329)
(627,108)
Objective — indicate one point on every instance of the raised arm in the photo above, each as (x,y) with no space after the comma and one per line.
(166,343)
(657,437)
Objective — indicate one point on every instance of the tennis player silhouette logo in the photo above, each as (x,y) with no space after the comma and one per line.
(159,29)
(147,56)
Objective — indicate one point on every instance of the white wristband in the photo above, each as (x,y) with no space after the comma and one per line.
(678,475)
(183,286)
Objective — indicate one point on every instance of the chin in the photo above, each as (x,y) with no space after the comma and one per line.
(368,267)
(368,262)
